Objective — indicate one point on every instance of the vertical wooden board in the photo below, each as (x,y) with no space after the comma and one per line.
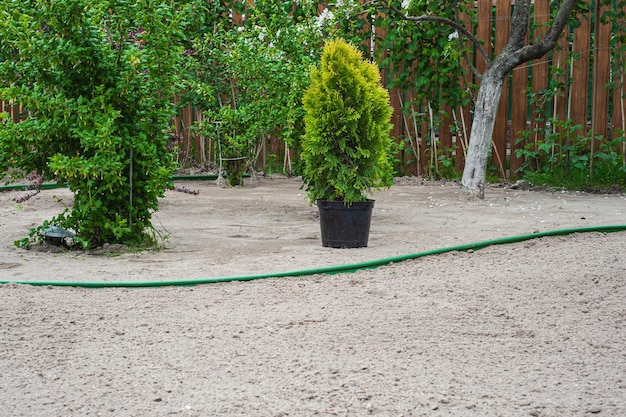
(483,31)
(198,140)
(500,131)
(464,117)
(424,147)
(273,153)
(619,109)
(419,133)
(412,159)
(203,143)
(519,115)
(560,60)
(209,141)
(463,114)
(460,112)
(398,132)
(519,112)
(540,66)
(16,112)
(601,75)
(619,95)
(188,140)
(560,73)
(618,115)
(445,133)
(398,129)
(381,33)
(395,100)
(176,121)
(414,127)
(580,73)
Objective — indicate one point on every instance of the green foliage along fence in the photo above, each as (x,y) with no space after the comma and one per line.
(582,82)
(577,88)
(573,99)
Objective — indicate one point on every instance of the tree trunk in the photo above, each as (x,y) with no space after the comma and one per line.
(516,52)
(474,174)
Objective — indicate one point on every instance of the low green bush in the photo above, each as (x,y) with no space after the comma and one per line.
(95,81)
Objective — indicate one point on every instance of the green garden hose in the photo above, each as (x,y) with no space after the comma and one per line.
(22,187)
(329,269)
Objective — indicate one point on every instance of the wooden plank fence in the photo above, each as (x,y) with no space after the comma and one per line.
(589,72)
(585,62)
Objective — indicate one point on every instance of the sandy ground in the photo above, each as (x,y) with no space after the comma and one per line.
(536,328)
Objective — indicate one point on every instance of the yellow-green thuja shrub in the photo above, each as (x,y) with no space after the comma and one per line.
(346,149)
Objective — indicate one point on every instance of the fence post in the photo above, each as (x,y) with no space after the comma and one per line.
(500,131)
(601,75)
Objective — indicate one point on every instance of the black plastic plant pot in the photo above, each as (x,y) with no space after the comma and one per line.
(345,226)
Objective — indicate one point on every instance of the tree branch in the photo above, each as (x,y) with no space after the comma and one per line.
(525,53)
(519,24)
(455,25)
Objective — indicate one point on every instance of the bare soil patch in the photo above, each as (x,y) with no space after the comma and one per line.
(532,328)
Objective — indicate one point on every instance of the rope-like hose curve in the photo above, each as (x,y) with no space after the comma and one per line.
(328,269)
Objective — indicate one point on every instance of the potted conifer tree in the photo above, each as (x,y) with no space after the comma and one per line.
(347,152)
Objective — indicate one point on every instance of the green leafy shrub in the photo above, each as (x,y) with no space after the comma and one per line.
(346,148)
(249,79)
(238,140)
(564,155)
(96,81)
